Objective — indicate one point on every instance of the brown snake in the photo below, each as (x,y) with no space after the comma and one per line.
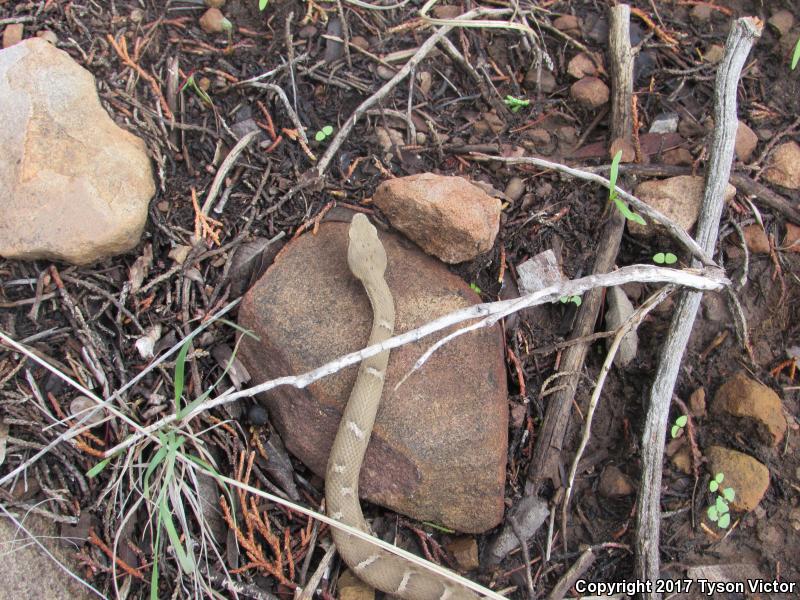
(382,570)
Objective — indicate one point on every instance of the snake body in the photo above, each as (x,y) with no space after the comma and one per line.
(382,570)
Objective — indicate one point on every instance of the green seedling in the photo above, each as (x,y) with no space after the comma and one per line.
(474,287)
(665,258)
(719,512)
(514,104)
(262,4)
(796,55)
(677,427)
(192,84)
(613,195)
(323,133)
(574,299)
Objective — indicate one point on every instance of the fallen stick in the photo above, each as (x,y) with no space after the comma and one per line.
(743,33)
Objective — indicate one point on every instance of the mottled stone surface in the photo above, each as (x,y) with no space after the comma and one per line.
(73,185)
(438,451)
(783,167)
(743,397)
(747,476)
(448,217)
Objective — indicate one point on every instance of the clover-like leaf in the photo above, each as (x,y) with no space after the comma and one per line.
(719,477)
(729,494)
(327,130)
(682,420)
(320,136)
(721,505)
(676,431)
(712,513)
(262,4)
(713,486)
(576,299)
(659,258)
(724,521)
(670,258)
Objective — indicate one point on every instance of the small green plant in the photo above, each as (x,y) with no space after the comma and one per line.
(614,196)
(262,4)
(678,425)
(514,104)
(796,55)
(474,287)
(719,511)
(192,84)
(665,258)
(323,133)
(574,299)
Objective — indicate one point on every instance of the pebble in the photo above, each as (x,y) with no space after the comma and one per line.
(384,72)
(590,92)
(747,476)
(12,34)
(569,24)
(213,21)
(665,123)
(746,142)
(756,239)
(791,241)
(581,66)
(746,398)
(48,36)
(784,166)
(465,550)
(515,188)
(782,21)
(714,54)
(614,483)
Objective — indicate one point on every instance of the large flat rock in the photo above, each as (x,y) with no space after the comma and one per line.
(438,451)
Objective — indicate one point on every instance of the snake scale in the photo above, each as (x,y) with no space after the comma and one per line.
(382,570)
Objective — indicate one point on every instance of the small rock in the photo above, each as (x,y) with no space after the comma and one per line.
(387,138)
(81,406)
(590,92)
(425,80)
(450,11)
(614,483)
(438,449)
(547,80)
(352,588)
(539,272)
(48,36)
(689,128)
(385,72)
(334,49)
(307,32)
(448,217)
(740,396)
(791,241)
(515,188)
(530,514)
(746,142)
(782,21)
(682,460)
(756,239)
(73,185)
(465,550)
(179,253)
(714,54)
(215,3)
(213,21)
(678,198)
(360,42)
(715,309)
(12,34)
(665,123)
(697,402)
(784,166)
(567,134)
(581,65)
(627,148)
(619,310)
(538,136)
(748,477)
(700,13)
(490,121)
(677,156)
(569,24)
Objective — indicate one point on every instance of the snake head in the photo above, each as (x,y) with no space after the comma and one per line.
(365,254)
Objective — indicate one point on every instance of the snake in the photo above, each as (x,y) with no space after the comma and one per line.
(366,258)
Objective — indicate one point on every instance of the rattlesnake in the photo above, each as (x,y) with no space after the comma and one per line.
(382,570)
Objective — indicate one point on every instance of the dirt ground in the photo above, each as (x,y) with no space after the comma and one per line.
(121,297)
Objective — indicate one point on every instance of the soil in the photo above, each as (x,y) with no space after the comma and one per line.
(114,302)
